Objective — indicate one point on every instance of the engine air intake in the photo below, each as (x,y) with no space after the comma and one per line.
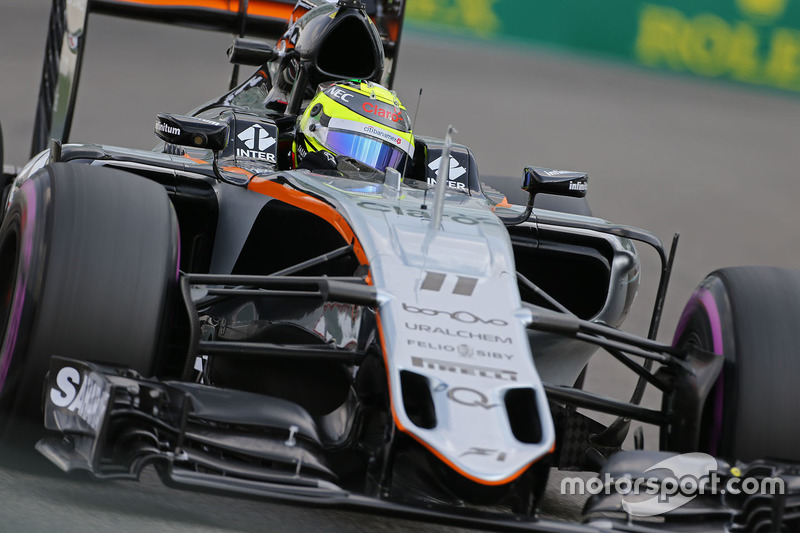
(523,415)
(417,399)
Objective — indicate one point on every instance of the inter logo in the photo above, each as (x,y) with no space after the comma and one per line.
(456,170)
(256,138)
(256,141)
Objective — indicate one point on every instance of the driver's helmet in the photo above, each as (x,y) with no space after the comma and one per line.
(357,119)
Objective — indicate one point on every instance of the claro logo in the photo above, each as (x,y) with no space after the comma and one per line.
(465,317)
(375,109)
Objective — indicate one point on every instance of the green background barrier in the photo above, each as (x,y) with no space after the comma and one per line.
(751,41)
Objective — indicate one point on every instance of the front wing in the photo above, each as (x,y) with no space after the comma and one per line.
(113,423)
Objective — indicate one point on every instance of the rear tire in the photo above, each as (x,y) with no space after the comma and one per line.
(88,261)
(5,182)
(751,317)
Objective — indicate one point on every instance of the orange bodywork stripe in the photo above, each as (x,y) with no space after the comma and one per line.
(261,8)
(195,160)
(237,170)
(234,170)
(394,30)
(503,203)
(258,8)
(430,448)
(308,203)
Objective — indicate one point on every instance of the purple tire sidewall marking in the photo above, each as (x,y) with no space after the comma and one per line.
(706,298)
(27,222)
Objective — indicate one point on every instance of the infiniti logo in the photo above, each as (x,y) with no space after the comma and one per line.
(465,317)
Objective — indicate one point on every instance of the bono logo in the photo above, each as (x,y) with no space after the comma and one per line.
(465,317)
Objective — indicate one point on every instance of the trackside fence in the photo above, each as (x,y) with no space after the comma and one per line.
(749,41)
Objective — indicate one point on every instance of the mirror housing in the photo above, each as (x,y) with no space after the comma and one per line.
(251,52)
(192,131)
(550,181)
(537,180)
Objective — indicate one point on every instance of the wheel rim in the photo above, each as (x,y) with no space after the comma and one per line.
(710,433)
(711,338)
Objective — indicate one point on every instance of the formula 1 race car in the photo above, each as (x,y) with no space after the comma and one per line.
(400,341)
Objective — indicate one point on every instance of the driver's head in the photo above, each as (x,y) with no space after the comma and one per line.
(362,120)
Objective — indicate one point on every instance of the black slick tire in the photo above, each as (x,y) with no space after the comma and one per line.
(751,317)
(88,263)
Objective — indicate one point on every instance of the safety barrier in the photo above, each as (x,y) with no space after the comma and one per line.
(750,41)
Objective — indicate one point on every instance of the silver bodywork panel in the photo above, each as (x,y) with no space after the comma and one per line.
(459,279)
(451,311)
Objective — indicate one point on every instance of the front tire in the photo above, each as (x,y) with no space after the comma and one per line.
(88,261)
(751,317)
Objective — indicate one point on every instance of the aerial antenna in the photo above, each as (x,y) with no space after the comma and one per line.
(416,111)
(442,178)
(413,125)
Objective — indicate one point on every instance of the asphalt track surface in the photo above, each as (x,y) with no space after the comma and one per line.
(714,162)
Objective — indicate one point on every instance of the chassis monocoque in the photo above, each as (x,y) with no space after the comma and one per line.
(401,341)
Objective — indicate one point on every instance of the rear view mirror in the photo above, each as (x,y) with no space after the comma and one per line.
(251,52)
(559,182)
(549,181)
(192,131)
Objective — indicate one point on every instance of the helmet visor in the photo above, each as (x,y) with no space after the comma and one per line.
(368,150)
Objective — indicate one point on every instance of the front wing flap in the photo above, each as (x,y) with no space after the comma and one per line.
(79,399)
